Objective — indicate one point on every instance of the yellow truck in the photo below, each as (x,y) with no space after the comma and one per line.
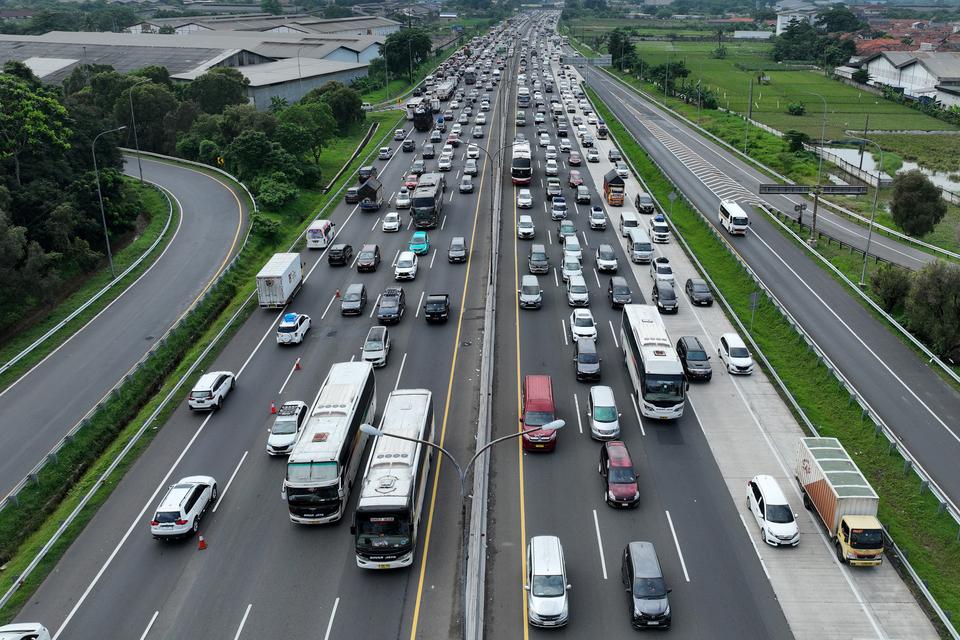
(834,487)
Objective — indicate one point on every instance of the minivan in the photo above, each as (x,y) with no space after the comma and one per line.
(777,522)
(659,230)
(733,218)
(376,346)
(639,245)
(577,293)
(538,410)
(537,260)
(354,300)
(530,295)
(646,589)
(603,414)
(628,221)
(546,583)
(643,202)
(583,195)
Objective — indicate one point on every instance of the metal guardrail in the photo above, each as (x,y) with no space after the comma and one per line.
(99,294)
(101,481)
(867,411)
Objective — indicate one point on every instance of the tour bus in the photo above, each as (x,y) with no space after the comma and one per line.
(320,233)
(427,202)
(653,364)
(523,97)
(324,462)
(470,75)
(733,218)
(394,483)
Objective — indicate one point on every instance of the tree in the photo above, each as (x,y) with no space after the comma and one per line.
(916,204)
(861,75)
(271,6)
(891,284)
(933,308)
(795,140)
(838,18)
(667,74)
(217,89)
(404,50)
(31,121)
(151,104)
(344,103)
(313,123)
(620,47)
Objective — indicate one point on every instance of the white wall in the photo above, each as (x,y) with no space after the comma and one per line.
(882,72)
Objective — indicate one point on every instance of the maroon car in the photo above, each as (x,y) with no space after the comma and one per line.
(574,160)
(619,479)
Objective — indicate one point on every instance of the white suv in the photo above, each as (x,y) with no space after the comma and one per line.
(24,631)
(293,328)
(406,268)
(180,510)
(210,390)
(286,427)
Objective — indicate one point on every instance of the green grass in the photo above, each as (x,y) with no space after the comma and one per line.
(24,529)
(399,86)
(155,209)
(937,152)
(911,517)
(339,150)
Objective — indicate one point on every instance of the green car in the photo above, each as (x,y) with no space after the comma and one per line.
(420,243)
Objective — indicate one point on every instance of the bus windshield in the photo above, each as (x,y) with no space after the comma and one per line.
(378,533)
(312,472)
(667,389)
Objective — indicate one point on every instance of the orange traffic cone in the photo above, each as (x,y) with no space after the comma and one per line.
(273,407)
(297,365)
(338,294)
(203,544)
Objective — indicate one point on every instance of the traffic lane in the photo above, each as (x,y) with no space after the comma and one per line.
(89,363)
(750,178)
(912,399)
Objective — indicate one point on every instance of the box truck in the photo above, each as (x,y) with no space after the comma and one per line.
(279,280)
(834,487)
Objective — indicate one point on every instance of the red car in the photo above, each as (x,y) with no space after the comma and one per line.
(616,472)
(538,410)
(574,160)
(575,179)
(453,140)
(411,181)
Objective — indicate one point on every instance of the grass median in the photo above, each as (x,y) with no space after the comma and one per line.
(25,528)
(911,516)
(156,209)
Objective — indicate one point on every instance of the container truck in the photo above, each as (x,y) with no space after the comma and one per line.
(279,280)
(613,188)
(834,487)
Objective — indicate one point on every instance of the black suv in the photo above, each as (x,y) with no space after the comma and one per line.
(409,145)
(369,258)
(619,291)
(437,307)
(693,357)
(458,250)
(587,359)
(665,297)
(391,307)
(354,300)
(339,253)
(698,292)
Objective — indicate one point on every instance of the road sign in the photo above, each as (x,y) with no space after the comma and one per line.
(785,188)
(844,189)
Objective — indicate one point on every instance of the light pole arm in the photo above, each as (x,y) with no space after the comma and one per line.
(443,451)
(485,447)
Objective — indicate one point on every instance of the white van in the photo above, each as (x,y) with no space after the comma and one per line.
(639,246)
(733,218)
(319,234)
(628,220)
(546,583)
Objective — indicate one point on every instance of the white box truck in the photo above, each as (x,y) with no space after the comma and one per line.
(835,488)
(279,280)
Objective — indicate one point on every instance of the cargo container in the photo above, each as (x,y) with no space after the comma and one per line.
(613,188)
(279,280)
(834,487)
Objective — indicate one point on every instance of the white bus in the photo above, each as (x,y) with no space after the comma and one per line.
(733,218)
(654,366)
(324,462)
(394,483)
(412,105)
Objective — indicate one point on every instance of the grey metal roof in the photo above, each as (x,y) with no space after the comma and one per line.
(288,70)
(304,22)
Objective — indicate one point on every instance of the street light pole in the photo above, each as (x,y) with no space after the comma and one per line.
(462,473)
(133,122)
(103,215)
(823,132)
(873,214)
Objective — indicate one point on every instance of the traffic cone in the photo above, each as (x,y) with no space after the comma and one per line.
(273,407)
(338,294)
(203,544)
(297,365)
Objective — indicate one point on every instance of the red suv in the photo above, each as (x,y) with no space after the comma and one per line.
(616,471)
(538,410)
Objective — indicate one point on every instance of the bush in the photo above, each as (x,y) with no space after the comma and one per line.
(916,205)
(263,227)
(796,108)
(274,192)
(795,140)
(933,308)
(891,284)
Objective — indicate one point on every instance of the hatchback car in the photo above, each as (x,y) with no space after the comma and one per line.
(582,324)
(577,293)
(524,199)
(603,414)
(354,300)
(182,507)
(210,390)
(574,160)
(619,479)
(339,253)
(470,167)
(570,268)
(529,295)
(606,258)
(735,355)
(286,427)
(586,360)
(445,163)
(537,259)
(369,258)
(566,229)
(458,249)
(466,184)
(293,328)
(406,267)
(418,167)
(551,152)
(698,292)
(410,182)
(391,222)
(525,228)
(385,153)
(664,297)
(777,521)
(558,208)
(694,358)
(551,168)
(399,134)
(593,155)
(404,199)
(613,155)
(392,305)
(618,291)
(419,243)
(554,188)
(646,588)
(376,346)
(598,219)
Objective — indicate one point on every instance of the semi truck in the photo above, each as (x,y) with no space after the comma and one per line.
(613,188)
(834,487)
(279,280)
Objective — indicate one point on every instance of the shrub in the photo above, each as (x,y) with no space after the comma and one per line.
(891,284)
(263,227)
(796,108)
(274,191)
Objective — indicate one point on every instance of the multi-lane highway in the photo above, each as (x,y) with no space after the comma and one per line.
(911,398)
(261,575)
(88,363)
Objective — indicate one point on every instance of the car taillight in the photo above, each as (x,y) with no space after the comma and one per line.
(181,522)
(154,523)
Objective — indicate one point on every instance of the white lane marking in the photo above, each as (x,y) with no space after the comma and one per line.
(549,236)
(259,344)
(432,258)
(230,481)
(614,333)
(556,281)
(410,224)
(403,361)
(763,565)
(243,621)
(586,242)
(375,303)
(293,368)
(597,276)
(395,256)
(420,304)
(392,194)
(636,410)
(677,543)
(375,223)
(563,324)
(443,222)
(450,199)
(576,403)
(153,619)
(332,298)
(333,614)
(603,562)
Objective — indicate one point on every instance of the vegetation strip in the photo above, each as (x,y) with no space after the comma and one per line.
(912,517)
(25,529)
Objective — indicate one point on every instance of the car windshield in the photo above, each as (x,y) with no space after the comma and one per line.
(436,303)
(389,302)
(621,290)
(530,289)
(537,418)
(583,321)
(622,475)
(548,586)
(284,426)
(668,294)
(537,255)
(404,263)
(373,344)
(700,287)
(588,357)
(606,253)
(779,513)
(739,352)
(351,296)
(653,588)
(366,255)
(578,288)
(697,356)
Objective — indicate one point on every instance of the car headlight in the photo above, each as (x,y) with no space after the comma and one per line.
(851,555)
(611,496)
(636,495)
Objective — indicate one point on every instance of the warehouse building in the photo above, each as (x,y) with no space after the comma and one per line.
(266,23)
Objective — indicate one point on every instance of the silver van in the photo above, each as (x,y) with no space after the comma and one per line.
(639,245)
(577,293)
(603,414)
(628,220)
(546,583)
(376,346)
(530,295)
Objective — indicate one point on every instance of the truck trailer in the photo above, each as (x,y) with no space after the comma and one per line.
(279,280)
(613,188)
(834,487)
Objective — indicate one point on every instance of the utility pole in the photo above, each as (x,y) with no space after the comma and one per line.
(746,122)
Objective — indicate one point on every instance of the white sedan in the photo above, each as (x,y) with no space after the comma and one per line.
(582,324)
(391,222)
(524,199)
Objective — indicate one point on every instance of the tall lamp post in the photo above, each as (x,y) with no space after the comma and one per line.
(133,123)
(873,214)
(462,472)
(823,132)
(103,216)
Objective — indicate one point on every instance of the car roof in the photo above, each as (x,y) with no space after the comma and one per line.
(547,555)
(526,218)
(376,331)
(772,494)
(356,286)
(206,380)
(586,345)
(577,280)
(368,247)
(619,281)
(643,556)
(692,343)
(734,340)
(618,454)
(582,312)
(529,279)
